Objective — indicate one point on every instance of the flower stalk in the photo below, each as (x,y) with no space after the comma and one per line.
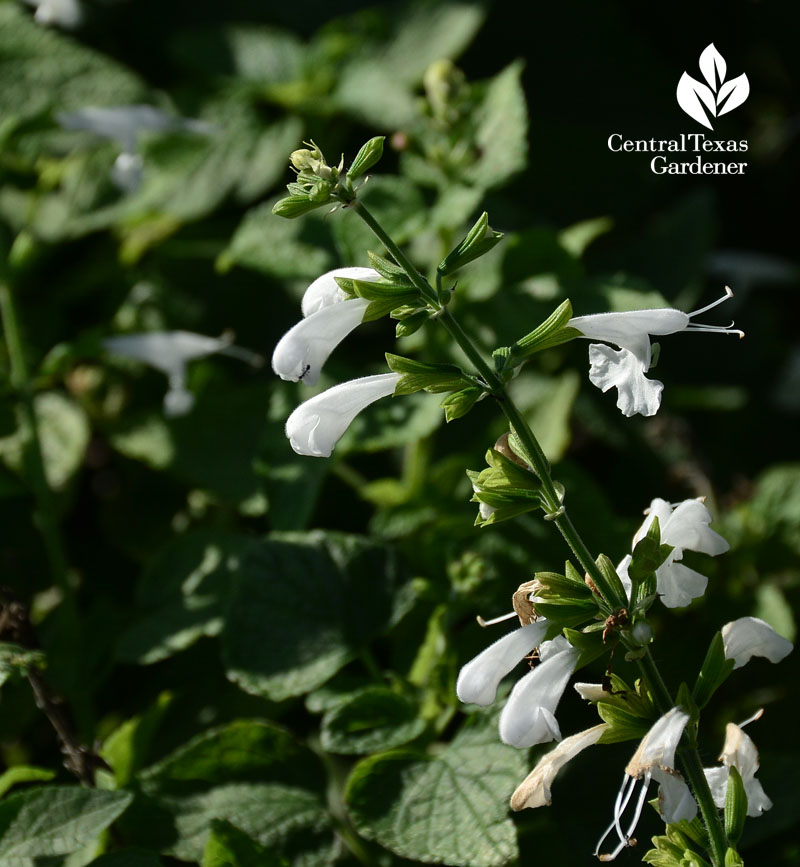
(556,511)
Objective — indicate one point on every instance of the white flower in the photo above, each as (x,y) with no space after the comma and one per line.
(750,636)
(529,715)
(315,426)
(123,124)
(329,317)
(534,790)
(631,331)
(169,351)
(653,760)
(685,527)
(325,291)
(478,679)
(62,13)
(739,752)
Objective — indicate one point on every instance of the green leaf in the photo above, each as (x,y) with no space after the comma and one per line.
(183,594)
(227,846)
(480,239)
(285,249)
(277,642)
(446,808)
(714,672)
(55,820)
(126,748)
(372,719)
(17,774)
(501,129)
(64,434)
(41,69)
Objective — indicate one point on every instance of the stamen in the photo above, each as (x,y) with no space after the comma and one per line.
(620,805)
(728,294)
(720,328)
(500,619)
(757,715)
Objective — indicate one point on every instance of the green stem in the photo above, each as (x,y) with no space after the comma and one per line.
(20,381)
(690,760)
(497,388)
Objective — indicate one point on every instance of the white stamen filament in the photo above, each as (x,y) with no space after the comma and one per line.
(712,328)
(494,620)
(620,805)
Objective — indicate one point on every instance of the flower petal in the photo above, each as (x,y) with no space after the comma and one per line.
(658,508)
(750,636)
(657,748)
(675,799)
(315,426)
(534,790)
(478,679)
(677,584)
(527,718)
(687,527)
(630,330)
(609,368)
(325,291)
(301,352)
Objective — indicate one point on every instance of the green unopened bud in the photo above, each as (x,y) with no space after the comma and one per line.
(459,403)
(480,239)
(420,375)
(307,159)
(735,805)
(321,192)
(366,158)
(551,332)
(294,206)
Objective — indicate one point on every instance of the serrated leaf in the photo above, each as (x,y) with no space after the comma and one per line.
(275,643)
(126,748)
(55,820)
(372,719)
(444,809)
(227,846)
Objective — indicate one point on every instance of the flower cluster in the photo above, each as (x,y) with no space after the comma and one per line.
(329,315)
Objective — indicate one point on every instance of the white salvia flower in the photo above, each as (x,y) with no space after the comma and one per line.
(315,426)
(631,331)
(170,351)
(685,527)
(529,715)
(305,347)
(739,752)
(478,680)
(61,13)
(329,316)
(750,636)
(123,124)
(534,790)
(653,760)
(325,291)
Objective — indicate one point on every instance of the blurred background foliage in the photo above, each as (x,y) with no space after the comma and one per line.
(261,647)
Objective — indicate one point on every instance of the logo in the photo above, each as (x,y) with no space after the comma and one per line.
(703,102)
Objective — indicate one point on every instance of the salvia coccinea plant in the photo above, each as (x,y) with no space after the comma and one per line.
(569,618)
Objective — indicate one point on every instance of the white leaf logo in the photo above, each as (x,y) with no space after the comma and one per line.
(715,98)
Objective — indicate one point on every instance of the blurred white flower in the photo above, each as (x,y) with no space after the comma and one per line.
(478,679)
(61,13)
(170,351)
(739,752)
(123,124)
(750,636)
(315,426)
(528,717)
(653,760)
(631,331)
(685,527)
(534,790)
